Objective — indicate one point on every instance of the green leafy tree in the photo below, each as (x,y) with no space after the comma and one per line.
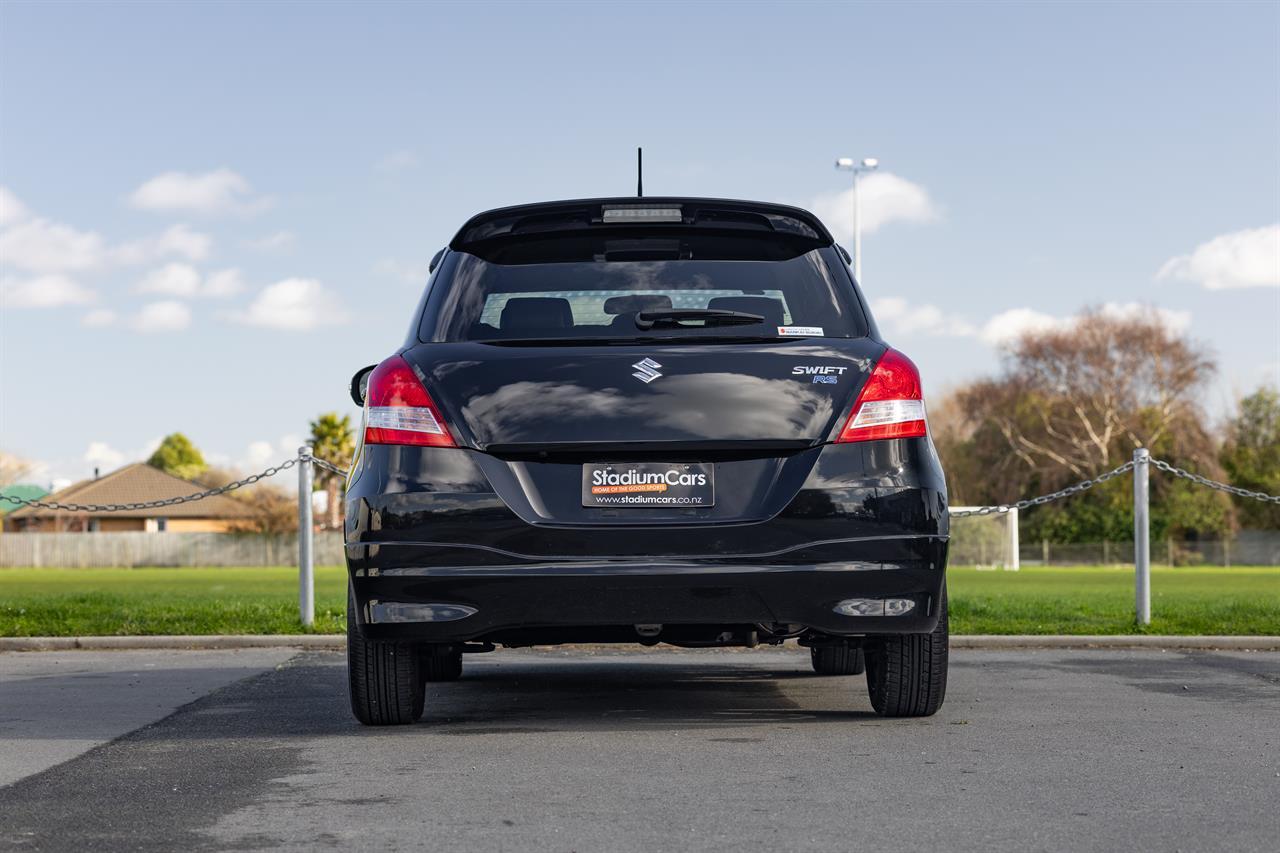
(333,441)
(1251,457)
(176,455)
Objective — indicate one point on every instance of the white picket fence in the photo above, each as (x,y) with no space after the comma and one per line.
(129,549)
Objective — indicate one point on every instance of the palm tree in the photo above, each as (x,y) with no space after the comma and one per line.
(333,441)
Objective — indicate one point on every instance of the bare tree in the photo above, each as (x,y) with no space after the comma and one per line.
(275,509)
(13,469)
(1075,401)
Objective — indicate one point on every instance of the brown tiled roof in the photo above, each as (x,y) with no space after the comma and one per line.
(138,483)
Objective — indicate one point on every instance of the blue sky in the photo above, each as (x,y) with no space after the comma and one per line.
(214,213)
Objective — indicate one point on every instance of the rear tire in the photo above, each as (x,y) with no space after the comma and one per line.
(837,660)
(440,664)
(385,677)
(907,673)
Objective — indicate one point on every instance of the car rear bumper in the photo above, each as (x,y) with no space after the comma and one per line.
(429,537)
(465,604)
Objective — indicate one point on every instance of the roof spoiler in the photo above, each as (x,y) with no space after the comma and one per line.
(651,213)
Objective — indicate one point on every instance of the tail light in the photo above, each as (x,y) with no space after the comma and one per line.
(399,410)
(891,404)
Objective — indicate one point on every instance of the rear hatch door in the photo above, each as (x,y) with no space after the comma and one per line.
(750,415)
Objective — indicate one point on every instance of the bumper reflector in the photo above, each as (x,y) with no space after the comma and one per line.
(398,611)
(875,606)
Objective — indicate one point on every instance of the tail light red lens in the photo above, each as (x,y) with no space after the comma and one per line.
(400,411)
(891,404)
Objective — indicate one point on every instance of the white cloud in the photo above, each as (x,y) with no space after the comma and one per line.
(11,208)
(1249,258)
(295,304)
(1178,321)
(98,318)
(259,455)
(904,318)
(104,456)
(166,316)
(412,273)
(44,291)
(898,316)
(1010,325)
(172,280)
(219,191)
(399,161)
(273,242)
(885,198)
(177,240)
(223,283)
(39,245)
(184,281)
(62,472)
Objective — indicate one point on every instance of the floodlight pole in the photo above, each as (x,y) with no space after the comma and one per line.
(1142,535)
(306,571)
(848,164)
(857,230)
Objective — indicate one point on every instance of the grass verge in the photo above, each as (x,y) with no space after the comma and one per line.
(1076,600)
(1100,600)
(127,602)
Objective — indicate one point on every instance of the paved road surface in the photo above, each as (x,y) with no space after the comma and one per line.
(655,751)
(58,705)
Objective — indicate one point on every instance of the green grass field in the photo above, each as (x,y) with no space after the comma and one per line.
(1078,600)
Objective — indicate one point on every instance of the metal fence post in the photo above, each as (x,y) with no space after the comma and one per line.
(306,572)
(1141,536)
(1015,546)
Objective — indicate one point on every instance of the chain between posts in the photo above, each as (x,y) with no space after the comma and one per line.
(329,466)
(1214,484)
(271,471)
(1081,486)
(1116,472)
(198,496)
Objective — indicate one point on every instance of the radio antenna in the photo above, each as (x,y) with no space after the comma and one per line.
(639,173)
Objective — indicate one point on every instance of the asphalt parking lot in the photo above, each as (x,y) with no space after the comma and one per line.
(646,751)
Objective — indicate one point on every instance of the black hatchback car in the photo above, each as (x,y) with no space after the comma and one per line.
(644,420)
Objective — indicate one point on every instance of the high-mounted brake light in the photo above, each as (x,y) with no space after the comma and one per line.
(400,411)
(891,404)
(629,214)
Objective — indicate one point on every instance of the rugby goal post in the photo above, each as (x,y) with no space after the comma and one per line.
(986,541)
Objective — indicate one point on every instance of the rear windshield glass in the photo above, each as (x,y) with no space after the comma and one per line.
(473,299)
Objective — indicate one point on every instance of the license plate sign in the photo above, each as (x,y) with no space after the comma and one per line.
(648,484)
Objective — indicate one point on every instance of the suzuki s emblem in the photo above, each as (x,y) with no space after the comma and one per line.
(646,370)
